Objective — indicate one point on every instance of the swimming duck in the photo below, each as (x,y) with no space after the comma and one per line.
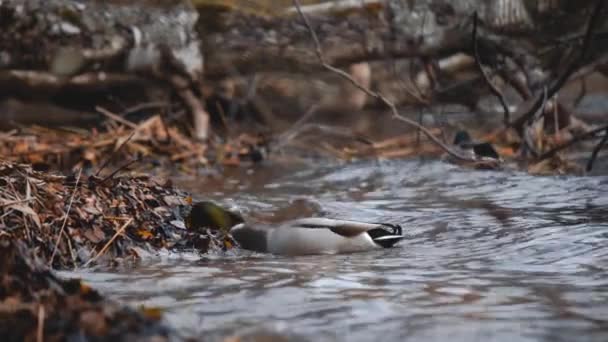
(297,237)
(316,236)
(476,150)
(208,215)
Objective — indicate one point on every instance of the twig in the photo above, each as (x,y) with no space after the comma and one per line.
(589,68)
(103,166)
(6,204)
(111,175)
(493,88)
(40,329)
(582,93)
(65,219)
(594,18)
(416,92)
(47,80)
(555,114)
(419,122)
(72,254)
(115,117)
(199,114)
(571,142)
(369,92)
(526,138)
(293,131)
(596,151)
(328,129)
(142,106)
(107,245)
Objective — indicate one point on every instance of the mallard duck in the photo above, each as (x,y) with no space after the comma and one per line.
(474,149)
(296,237)
(316,236)
(208,215)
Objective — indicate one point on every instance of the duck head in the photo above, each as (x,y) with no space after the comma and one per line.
(209,215)
(462,138)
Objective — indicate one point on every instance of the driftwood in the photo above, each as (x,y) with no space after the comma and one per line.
(49,46)
(71,37)
(528,44)
(379,30)
(62,48)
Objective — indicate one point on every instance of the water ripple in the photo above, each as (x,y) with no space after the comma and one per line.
(497,256)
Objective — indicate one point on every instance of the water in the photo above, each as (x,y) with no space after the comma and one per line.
(490,256)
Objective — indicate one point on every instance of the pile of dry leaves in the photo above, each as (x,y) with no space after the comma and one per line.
(35,305)
(77,220)
(146,146)
(152,146)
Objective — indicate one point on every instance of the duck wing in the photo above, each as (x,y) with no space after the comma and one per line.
(485,150)
(349,229)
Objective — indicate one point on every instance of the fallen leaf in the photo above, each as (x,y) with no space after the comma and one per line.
(95,234)
(85,289)
(28,211)
(144,234)
(154,313)
(228,244)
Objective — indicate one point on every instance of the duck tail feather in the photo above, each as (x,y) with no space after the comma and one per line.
(388,241)
(486,150)
(389,237)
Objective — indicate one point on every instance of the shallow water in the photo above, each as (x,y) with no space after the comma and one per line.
(490,256)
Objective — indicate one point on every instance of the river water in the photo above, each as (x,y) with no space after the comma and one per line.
(490,256)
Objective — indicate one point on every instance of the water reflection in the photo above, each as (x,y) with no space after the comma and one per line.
(495,256)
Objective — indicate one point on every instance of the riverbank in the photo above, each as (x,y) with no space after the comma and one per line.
(51,221)
(36,305)
(153,148)
(81,220)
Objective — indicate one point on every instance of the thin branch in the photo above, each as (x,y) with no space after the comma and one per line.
(582,93)
(144,106)
(111,175)
(327,129)
(593,20)
(296,128)
(115,117)
(416,92)
(596,151)
(493,88)
(103,166)
(200,117)
(107,245)
(369,92)
(65,219)
(571,142)
(40,327)
(6,204)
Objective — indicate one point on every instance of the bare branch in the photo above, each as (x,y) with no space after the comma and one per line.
(369,92)
(65,219)
(493,89)
(123,143)
(570,70)
(115,117)
(571,142)
(195,105)
(596,151)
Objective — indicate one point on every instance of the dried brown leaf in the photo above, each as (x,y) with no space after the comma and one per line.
(28,211)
